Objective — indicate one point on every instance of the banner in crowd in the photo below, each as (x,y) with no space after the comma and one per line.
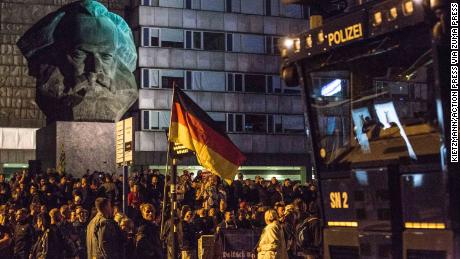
(238,243)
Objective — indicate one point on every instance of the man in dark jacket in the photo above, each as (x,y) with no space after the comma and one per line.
(148,235)
(186,234)
(23,235)
(104,238)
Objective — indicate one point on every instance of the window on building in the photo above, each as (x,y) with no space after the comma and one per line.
(293,124)
(292,11)
(268,45)
(213,5)
(239,118)
(269,84)
(155,120)
(219,119)
(255,123)
(252,43)
(212,81)
(235,82)
(214,41)
(276,45)
(197,40)
(278,124)
(229,42)
(188,4)
(193,40)
(146,2)
(172,38)
(271,45)
(230,82)
(230,122)
(188,39)
(252,7)
(228,6)
(150,37)
(275,124)
(235,122)
(270,124)
(149,78)
(188,80)
(238,86)
(171,77)
(268,7)
(294,89)
(254,83)
(273,84)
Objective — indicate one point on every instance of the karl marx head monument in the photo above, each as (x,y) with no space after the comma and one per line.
(83,57)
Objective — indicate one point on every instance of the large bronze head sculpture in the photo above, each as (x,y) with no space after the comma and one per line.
(83,57)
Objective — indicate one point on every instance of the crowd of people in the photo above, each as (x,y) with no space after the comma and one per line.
(54,215)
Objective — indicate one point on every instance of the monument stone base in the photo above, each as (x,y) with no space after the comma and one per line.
(87,145)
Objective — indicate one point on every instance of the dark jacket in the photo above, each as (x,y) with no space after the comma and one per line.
(104,239)
(48,244)
(23,239)
(204,225)
(187,236)
(148,241)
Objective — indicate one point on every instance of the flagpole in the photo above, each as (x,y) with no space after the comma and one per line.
(173,172)
(167,170)
(163,208)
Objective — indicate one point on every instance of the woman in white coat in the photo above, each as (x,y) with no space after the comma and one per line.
(272,244)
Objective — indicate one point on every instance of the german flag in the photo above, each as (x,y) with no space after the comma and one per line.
(193,128)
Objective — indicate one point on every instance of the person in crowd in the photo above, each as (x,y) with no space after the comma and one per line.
(187,234)
(104,238)
(203,224)
(6,237)
(49,241)
(228,222)
(5,190)
(148,235)
(71,204)
(272,243)
(288,222)
(79,229)
(242,221)
(24,235)
(279,207)
(127,226)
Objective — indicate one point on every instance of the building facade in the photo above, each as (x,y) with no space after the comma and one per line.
(224,54)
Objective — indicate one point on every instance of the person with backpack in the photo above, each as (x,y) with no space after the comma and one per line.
(309,234)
